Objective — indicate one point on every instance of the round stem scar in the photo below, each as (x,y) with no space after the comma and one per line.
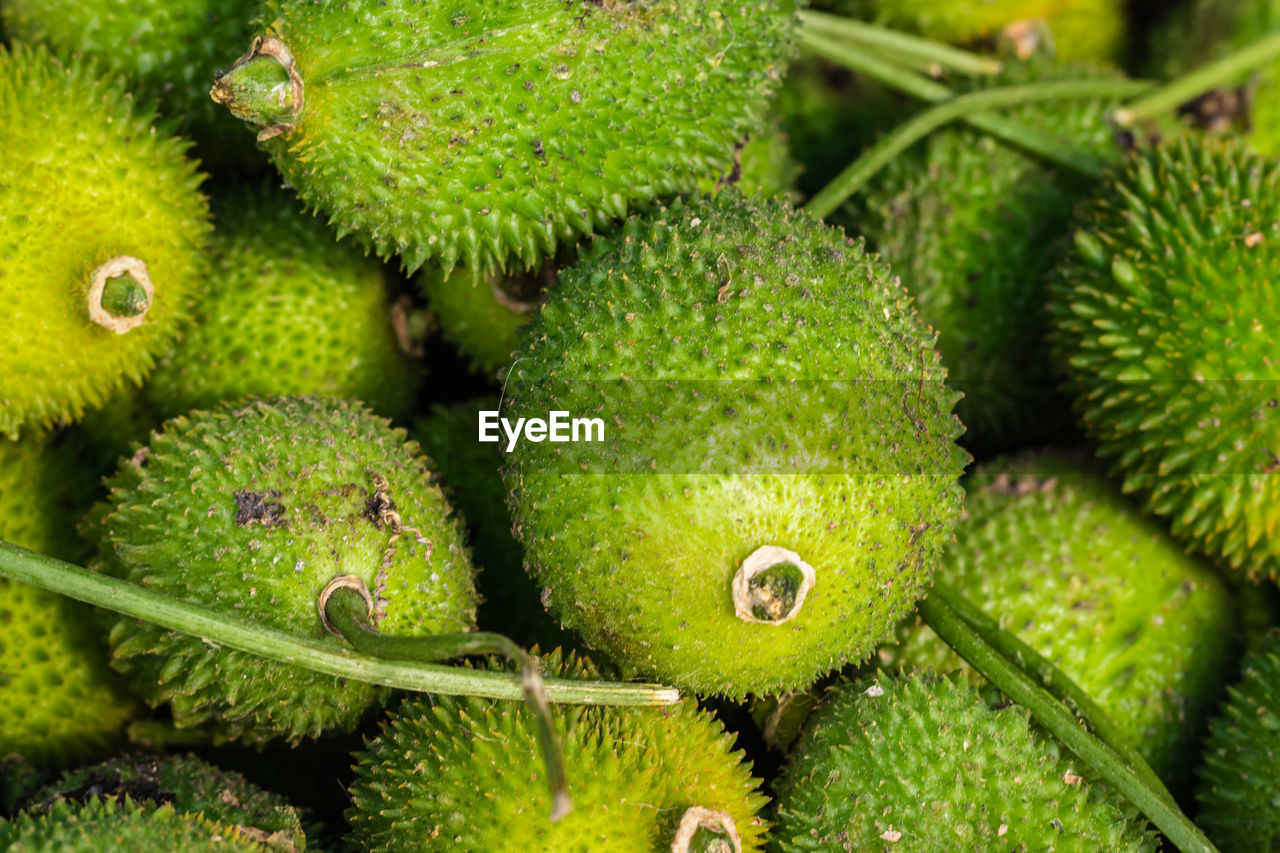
(353,582)
(706,831)
(120,294)
(771,585)
(263,88)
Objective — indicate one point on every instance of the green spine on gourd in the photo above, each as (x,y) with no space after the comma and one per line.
(487,133)
(1240,777)
(1067,564)
(103,239)
(775,422)
(455,773)
(1085,30)
(113,824)
(924,763)
(189,785)
(168,50)
(967,221)
(252,509)
(1163,316)
(288,310)
(59,700)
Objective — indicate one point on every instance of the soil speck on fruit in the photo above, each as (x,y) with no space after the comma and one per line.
(257,507)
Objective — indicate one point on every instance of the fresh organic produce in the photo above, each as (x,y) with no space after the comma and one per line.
(95,277)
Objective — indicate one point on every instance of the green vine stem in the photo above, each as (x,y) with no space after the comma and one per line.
(939,615)
(223,629)
(1059,685)
(857,173)
(1226,70)
(347,612)
(891,43)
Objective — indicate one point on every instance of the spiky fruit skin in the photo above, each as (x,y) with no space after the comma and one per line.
(121,826)
(1240,776)
(763,164)
(472,481)
(1083,30)
(965,220)
(288,311)
(186,783)
(168,51)
(124,188)
(59,701)
(1065,562)
(486,133)
(923,763)
(252,509)
(455,773)
(1163,316)
(793,400)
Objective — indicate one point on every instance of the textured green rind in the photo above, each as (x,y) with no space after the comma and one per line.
(114,826)
(850,461)
(1239,791)
(1203,30)
(470,476)
(169,50)
(85,178)
(487,132)
(1164,315)
(967,220)
(1083,30)
(763,164)
(186,783)
(170,522)
(1064,561)
(59,701)
(928,758)
(288,310)
(465,774)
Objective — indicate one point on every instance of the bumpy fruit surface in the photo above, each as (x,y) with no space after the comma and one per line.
(765,385)
(1240,777)
(59,700)
(1072,568)
(288,310)
(923,763)
(252,509)
(122,825)
(168,50)
(86,180)
(189,785)
(1164,316)
(488,132)
(1090,30)
(966,220)
(464,774)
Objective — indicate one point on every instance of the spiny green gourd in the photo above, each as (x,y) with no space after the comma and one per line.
(778,468)
(119,826)
(482,314)
(1086,30)
(252,509)
(59,700)
(470,475)
(966,220)
(485,132)
(1240,778)
(167,50)
(924,763)
(188,784)
(463,774)
(103,238)
(1203,30)
(1066,563)
(288,310)
(1163,315)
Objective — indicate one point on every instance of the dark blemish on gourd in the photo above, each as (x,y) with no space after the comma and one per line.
(257,507)
(145,787)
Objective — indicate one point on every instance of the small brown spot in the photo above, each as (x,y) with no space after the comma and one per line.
(257,507)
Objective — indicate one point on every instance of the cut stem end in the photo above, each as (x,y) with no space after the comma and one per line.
(263,88)
(706,831)
(770,586)
(120,294)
